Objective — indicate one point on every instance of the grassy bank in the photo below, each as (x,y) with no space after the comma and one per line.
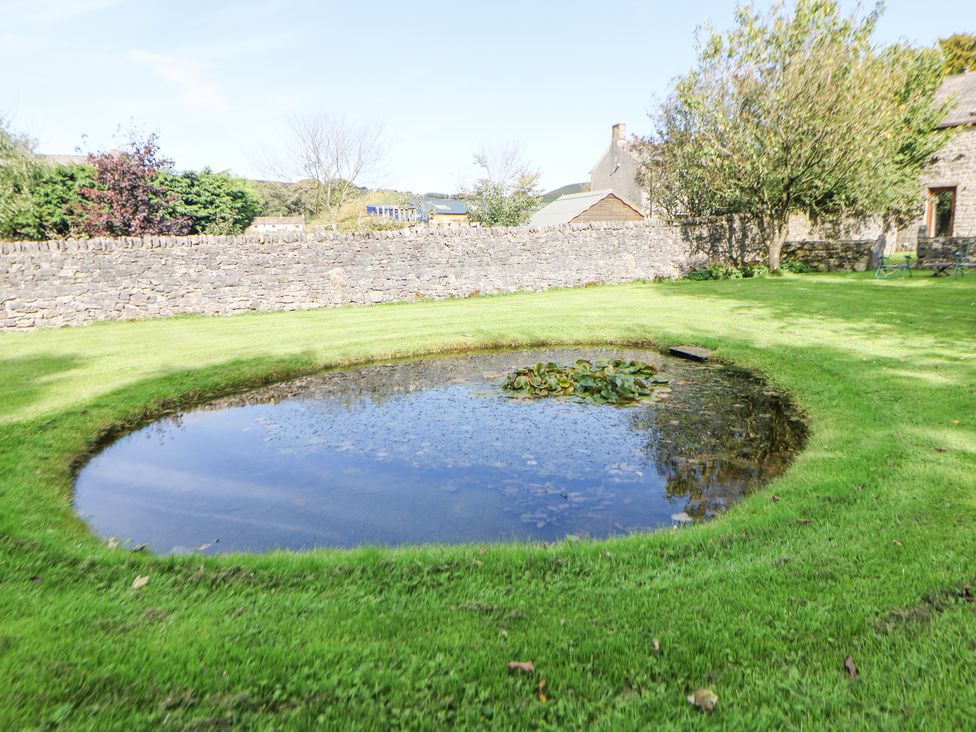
(867,551)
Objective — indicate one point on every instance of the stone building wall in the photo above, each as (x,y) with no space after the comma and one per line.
(955,166)
(56,283)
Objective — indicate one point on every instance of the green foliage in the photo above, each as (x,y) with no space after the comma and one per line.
(797,111)
(798,267)
(286,199)
(214,203)
(507,194)
(729,271)
(958,53)
(18,172)
(43,201)
(601,382)
(56,194)
(493,204)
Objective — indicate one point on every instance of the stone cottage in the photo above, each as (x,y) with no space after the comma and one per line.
(617,170)
(950,183)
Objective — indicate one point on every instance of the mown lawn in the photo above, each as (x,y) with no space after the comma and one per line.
(867,552)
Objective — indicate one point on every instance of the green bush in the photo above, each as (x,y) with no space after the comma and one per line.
(213,203)
(797,267)
(729,271)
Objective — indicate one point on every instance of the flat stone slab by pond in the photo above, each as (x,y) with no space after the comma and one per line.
(433,450)
(695,353)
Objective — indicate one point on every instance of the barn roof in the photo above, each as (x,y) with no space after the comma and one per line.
(446,206)
(962,89)
(566,208)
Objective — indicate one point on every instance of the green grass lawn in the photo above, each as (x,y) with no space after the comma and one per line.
(866,552)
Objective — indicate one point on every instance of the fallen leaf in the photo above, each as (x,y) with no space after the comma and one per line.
(139,582)
(704,699)
(542,692)
(851,667)
(526,666)
(655,646)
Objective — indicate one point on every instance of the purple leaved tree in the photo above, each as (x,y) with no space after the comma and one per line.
(127,199)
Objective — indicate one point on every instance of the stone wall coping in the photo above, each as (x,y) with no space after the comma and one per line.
(419,232)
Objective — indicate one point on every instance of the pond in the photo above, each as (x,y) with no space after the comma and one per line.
(433,450)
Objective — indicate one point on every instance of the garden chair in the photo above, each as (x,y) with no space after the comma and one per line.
(961,264)
(887,269)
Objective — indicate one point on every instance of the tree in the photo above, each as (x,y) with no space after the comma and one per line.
(958,53)
(797,112)
(507,192)
(287,199)
(56,197)
(213,203)
(334,155)
(127,198)
(18,171)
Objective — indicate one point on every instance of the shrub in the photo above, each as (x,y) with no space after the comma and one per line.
(728,271)
(797,267)
(213,203)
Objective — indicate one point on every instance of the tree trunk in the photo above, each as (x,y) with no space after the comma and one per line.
(776,248)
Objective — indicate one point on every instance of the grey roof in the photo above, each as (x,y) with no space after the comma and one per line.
(962,89)
(566,208)
(445,206)
(58,159)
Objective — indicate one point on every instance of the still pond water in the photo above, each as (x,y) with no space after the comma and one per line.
(434,451)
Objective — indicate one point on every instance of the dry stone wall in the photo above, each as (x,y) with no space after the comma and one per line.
(74,282)
(830,246)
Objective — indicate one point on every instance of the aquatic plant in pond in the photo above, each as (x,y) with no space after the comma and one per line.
(603,382)
(434,450)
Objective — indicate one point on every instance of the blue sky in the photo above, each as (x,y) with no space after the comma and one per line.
(216,80)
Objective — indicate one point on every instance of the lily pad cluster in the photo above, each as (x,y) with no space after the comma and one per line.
(602,382)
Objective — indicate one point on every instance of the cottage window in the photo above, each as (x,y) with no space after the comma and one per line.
(941,212)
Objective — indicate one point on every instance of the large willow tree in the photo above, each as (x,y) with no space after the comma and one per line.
(797,111)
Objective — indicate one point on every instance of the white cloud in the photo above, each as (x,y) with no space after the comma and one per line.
(189,78)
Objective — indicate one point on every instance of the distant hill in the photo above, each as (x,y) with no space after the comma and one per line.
(571,188)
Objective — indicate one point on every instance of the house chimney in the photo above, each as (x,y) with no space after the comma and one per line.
(619,132)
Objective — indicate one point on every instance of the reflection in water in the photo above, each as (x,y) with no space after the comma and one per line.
(434,451)
(719,439)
